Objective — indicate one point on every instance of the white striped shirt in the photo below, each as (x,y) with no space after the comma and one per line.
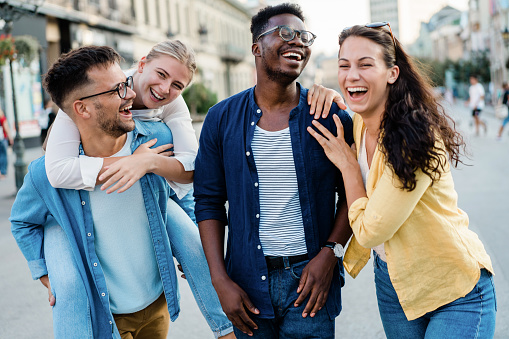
(281,227)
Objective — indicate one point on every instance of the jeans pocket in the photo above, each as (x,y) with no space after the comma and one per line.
(296,269)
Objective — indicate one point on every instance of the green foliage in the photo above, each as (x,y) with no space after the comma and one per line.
(26,48)
(199,98)
(479,64)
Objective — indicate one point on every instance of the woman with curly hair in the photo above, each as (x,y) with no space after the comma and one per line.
(433,276)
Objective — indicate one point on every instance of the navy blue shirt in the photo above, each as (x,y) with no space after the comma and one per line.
(226,171)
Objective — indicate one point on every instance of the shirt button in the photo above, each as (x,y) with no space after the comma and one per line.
(264,277)
(257,216)
(256,184)
(89,234)
(111,322)
(258,110)
(248,153)
(83,203)
(103,294)
(252,123)
(259,247)
(95,264)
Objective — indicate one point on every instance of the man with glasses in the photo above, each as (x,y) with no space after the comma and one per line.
(282,274)
(121,257)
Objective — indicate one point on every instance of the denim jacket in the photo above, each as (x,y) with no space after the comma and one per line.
(38,203)
(226,171)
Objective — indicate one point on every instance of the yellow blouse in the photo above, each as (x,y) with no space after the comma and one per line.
(432,256)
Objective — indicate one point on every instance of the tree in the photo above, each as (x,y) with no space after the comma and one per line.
(199,98)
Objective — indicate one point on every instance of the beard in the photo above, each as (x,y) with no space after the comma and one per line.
(277,74)
(113,126)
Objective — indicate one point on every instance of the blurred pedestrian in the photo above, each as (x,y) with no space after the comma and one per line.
(476,102)
(5,141)
(433,276)
(505,101)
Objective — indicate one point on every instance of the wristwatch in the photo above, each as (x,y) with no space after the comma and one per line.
(337,248)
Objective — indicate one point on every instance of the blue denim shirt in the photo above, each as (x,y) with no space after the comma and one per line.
(226,171)
(38,203)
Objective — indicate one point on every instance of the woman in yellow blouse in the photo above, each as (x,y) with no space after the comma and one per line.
(432,274)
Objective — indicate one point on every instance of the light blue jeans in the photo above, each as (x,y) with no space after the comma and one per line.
(472,316)
(186,247)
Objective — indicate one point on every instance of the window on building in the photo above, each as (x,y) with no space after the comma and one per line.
(145,9)
(113,4)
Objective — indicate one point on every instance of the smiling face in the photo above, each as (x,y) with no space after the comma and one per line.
(282,59)
(109,112)
(159,81)
(363,76)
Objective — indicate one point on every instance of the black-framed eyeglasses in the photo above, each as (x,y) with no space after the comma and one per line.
(121,89)
(380,24)
(288,34)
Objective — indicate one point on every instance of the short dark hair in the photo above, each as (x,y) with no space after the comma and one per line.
(260,21)
(69,72)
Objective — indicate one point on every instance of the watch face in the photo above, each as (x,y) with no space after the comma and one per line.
(339,250)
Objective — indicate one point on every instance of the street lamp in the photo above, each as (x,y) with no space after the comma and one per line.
(11,11)
(505,36)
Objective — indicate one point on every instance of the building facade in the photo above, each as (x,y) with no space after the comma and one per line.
(218,31)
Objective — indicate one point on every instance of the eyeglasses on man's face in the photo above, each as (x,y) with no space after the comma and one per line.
(288,34)
(121,89)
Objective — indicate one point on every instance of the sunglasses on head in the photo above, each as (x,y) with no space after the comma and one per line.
(376,25)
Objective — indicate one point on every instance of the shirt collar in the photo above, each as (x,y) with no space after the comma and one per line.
(303,104)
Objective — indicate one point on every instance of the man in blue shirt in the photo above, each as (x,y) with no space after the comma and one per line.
(121,253)
(282,274)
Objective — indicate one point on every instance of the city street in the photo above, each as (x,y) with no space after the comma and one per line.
(483,188)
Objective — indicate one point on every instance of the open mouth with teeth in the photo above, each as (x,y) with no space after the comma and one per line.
(292,56)
(126,111)
(155,95)
(357,92)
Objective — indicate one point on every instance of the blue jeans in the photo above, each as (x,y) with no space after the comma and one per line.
(186,247)
(472,316)
(3,156)
(288,321)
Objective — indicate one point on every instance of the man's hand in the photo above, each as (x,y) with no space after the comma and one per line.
(315,282)
(45,281)
(236,303)
(321,98)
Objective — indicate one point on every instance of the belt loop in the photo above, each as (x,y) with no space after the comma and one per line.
(286,263)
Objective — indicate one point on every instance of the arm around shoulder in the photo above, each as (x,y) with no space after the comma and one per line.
(65,168)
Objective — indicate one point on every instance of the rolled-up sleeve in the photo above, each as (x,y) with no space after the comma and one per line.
(209,177)
(28,215)
(376,219)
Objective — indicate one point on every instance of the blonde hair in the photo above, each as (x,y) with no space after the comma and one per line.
(176,49)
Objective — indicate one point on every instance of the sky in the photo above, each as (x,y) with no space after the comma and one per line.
(327,18)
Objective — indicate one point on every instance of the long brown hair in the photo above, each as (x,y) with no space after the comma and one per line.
(416,133)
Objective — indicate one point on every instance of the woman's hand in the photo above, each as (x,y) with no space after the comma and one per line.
(124,172)
(336,149)
(321,98)
(146,148)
